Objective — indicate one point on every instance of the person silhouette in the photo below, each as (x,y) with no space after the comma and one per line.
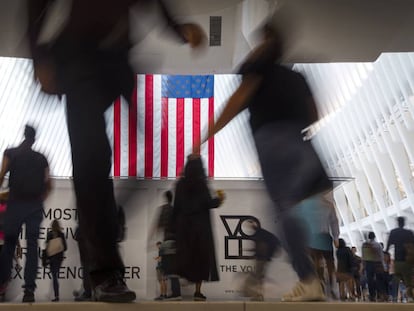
(29,185)
(88,61)
(281,106)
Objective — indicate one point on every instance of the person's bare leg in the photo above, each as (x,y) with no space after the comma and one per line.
(198,296)
(198,287)
(163,287)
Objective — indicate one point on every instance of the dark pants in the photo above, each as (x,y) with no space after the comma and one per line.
(89,83)
(375,278)
(291,171)
(17,214)
(175,286)
(55,264)
(402,271)
(86,282)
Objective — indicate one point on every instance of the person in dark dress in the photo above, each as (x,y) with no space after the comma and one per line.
(195,242)
(281,107)
(88,61)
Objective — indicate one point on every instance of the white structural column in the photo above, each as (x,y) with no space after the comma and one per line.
(367,132)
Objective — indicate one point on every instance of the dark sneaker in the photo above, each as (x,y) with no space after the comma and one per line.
(3,288)
(114,289)
(199,297)
(56,299)
(28,296)
(159,298)
(83,297)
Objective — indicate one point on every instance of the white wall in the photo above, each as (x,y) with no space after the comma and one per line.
(140,200)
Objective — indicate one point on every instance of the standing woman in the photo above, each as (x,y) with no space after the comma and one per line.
(195,244)
(55,253)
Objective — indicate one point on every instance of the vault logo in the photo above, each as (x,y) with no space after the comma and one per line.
(238,243)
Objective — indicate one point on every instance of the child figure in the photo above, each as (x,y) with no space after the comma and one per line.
(266,244)
(162,279)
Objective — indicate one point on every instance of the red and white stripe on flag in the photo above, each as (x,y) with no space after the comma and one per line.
(152,135)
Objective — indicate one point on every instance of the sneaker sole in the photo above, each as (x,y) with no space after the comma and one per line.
(305,299)
(173,299)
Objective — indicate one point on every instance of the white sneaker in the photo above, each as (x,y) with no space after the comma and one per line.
(309,291)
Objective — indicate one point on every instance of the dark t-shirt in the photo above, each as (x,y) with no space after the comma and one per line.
(27,173)
(399,237)
(282,96)
(166,222)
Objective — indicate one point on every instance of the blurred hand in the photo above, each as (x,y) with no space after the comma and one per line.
(221,195)
(193,156)
(196,149)
(336,243)
(45,73)
(4,195)
(193,33)
(19,252)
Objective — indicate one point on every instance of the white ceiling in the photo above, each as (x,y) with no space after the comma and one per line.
(328,31)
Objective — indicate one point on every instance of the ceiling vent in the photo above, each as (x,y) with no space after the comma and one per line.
(215,30)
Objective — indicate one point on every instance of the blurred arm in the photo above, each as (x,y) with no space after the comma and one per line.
(236,103)
(187,32)
(48,183)
(36,15)
(171,22)
(312,110)
(4,169)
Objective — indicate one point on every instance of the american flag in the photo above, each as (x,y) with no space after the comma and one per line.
(154,133)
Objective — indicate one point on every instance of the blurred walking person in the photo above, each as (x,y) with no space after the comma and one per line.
(86,57)
(373,260)
(320,215)
(281,106)
(29,185)
(402,239)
